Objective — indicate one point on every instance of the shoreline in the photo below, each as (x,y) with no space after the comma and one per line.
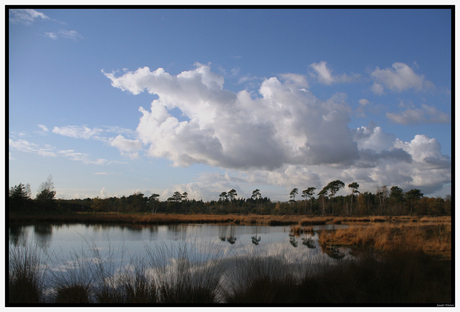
(165,219)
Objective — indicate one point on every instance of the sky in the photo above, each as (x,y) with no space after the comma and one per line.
(110,102)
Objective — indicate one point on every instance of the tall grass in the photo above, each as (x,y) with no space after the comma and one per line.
(260,277)
(179,275)
(25,275)
(184,276)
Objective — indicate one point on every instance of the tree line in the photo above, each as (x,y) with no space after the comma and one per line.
(385,201)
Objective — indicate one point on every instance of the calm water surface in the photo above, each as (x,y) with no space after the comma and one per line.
(204,241)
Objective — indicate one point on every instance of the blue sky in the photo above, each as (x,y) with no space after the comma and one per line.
(116,101)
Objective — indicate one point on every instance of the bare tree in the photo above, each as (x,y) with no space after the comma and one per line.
(46,190)
(382,195)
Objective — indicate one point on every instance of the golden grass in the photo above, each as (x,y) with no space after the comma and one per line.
(159,219)
(164,218)
(442,219)
(315,221)
(432,239)
(297,230)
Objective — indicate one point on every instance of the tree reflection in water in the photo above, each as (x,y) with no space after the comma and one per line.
(309,242)
(222,233)
(17,235)
(43,233)
(231,238)
(293,241)
(255,239)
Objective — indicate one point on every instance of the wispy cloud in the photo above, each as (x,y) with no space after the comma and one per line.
(49,151)
(324,74)
(295,79)
(26,16)
(79,132)
(100,134)
(107,173)
(66,34)
(363,104)
(247,78)
(398,78)
(426,114)
(43,127)
(51,35)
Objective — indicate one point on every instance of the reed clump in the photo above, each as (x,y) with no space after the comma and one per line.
(25,276)
(401,277)
(397,277)
(72,294)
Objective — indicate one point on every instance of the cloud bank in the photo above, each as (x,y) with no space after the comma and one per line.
(283,136)
(285,125)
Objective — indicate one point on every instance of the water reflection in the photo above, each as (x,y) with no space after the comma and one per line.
(231,238)
(237,238)
(222,233)
(18,235)
(334,252)
(309,243)
(256,239)
(43,234)
(293,241)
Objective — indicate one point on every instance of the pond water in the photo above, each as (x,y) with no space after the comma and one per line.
(231,239)
(66,248)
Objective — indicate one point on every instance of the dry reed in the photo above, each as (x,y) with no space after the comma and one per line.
(432,239)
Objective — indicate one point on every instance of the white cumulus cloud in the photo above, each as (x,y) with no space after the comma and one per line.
(233,130)
(126,146)
(283,136)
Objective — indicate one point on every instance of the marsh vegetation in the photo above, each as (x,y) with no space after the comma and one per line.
(403,263)
(401,248)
